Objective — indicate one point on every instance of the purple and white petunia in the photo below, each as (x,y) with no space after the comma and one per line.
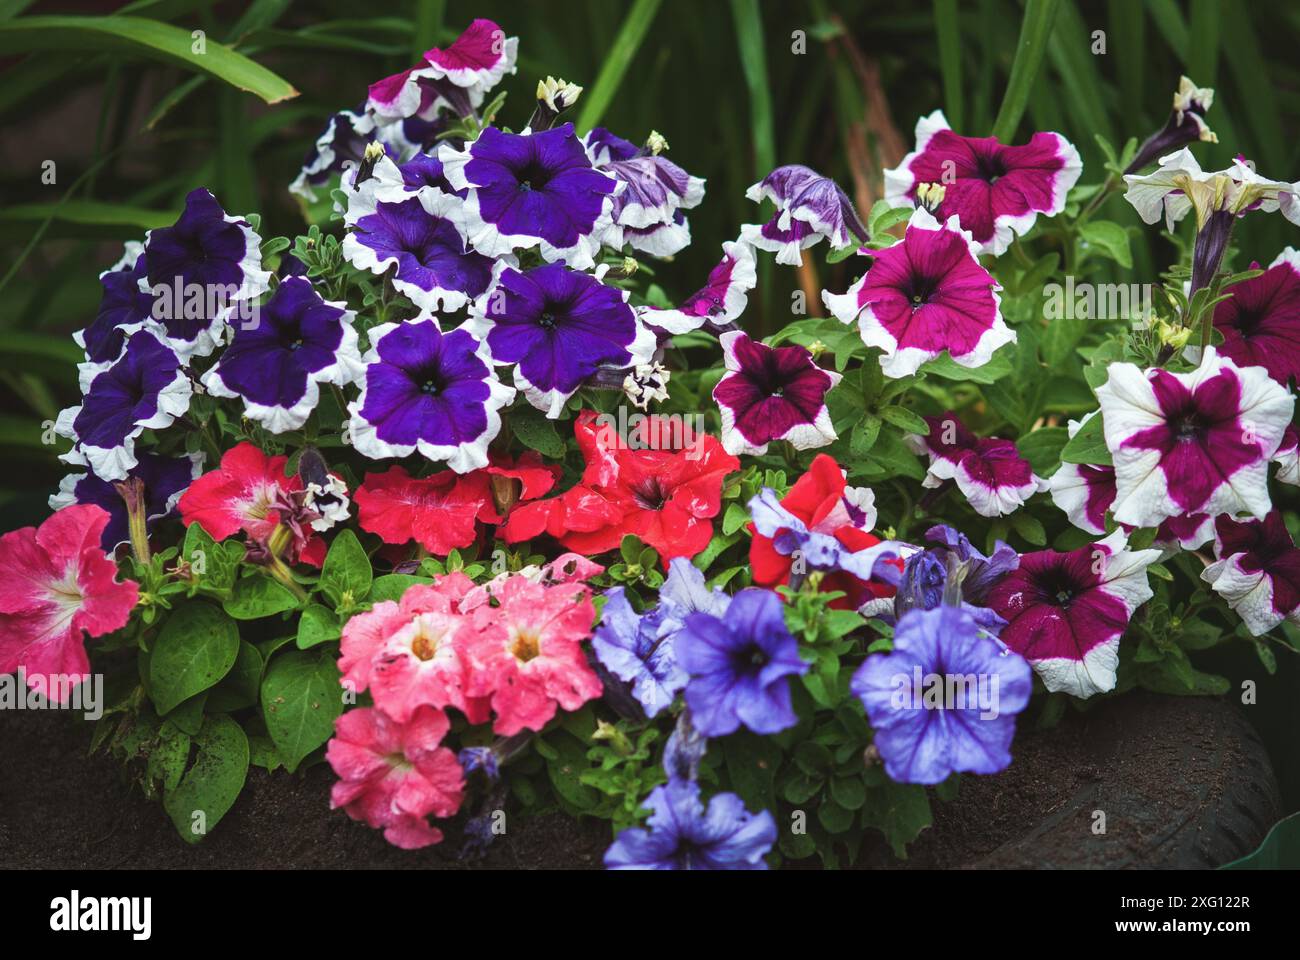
(429,391)
(722,299)
(1260,321)
(809,207)
(923,296)
(393,182)
(276,365)
(818,548)
(146,388)
(930,719)
(1084,491)
(422,238)
(772,393)
(1197,442)
(123,308)
(1066,612)
(788,243)
(996,191)
(558,327)
(990,472)
(341,144)
(1257,571)
(164,479)
(1287,457)
(526,190)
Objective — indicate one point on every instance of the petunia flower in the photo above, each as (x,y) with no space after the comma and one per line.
(1186,124)
(123,307)
(201,270)
(740,666)
(342,143)
(1179,185)
(164,479)
(146,388)
(1196,442)
(721,301)
(804,196)
(439,512)
(429,391)
(1084,491)
(996,191)
(558,327)
(1066,612)
(979,573)
(788,243)
(682,834)
(926,726)
(923,296)
(990,472)
(1260,321)
(393,776)
(1257,571)
(59,588)
(1288,457)
(1190,532)
(277,365)
(414,653)
(528,655)
(532,190)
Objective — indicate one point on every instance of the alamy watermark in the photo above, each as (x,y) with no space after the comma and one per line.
(652,431)
(946,691)
(53,691)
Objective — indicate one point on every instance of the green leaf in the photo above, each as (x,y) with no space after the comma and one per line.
(196,647)
(259,596)
(1110,239)
(1279,851)
(393,585)
(1029,528)
(209,788)
(146,38)
(948,368)
(849,792)
(899,811)
(347,574)
(239,687)
(1035,29)
(865,433)
(1042,448)
(1088,445)
(169,756)
(748,21)
(90,213)
(566,768)
(617,61)
(301,699)
(200,550)
(904,419)
(834,817)
(318,625)
(536,432)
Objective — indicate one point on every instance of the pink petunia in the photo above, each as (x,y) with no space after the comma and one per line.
(439,512)
(990,472)
(395,775)
(457,78)
(59,587)
(996,191)
(1257,570)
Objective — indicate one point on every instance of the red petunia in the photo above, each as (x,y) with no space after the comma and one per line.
(439,511)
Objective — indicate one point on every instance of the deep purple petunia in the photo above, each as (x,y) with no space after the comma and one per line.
(923,296)
(276,367)
(146,388)
(532,189)
(164,479)
(979,573)
(1257,570)
(990,472)
(558,326)
(1197,442)
(722,299)
(995,191)
(123,308)
(1260,321)
(740,666)
(340,145)
(945,699)
(429,391)
(204,270)
(1065,612)
(682,834)
(772,393)
(804,196)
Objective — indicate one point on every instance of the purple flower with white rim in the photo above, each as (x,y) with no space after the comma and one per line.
(123,308)
(721,300)
(660,239)
(1084,491)
(423,238)
(1179,185)
(772,393)
(926,724)
(429,391)
(980,573)
(528,190)
(1287,457)
(682,834)
(995,191)
(1066,612)
(342,142)
(164,479)
(740,666)
(804,195)
(1257,571)
(209,260)
(923,296)
(1197,442)
(788,243)
(146,388)
(990,472)
(276,366)
(558,327)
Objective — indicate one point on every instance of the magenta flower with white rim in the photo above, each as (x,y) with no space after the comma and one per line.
(721,300)
(1197,442)
(995,190)
(1184,533)
(1287,457)
(1084,491)
(772,393)
(990,472)
(923,296)
(1257,571)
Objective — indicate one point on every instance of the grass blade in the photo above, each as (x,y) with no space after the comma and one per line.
(753,61)
(947,28)
(1035,29)
(597,99)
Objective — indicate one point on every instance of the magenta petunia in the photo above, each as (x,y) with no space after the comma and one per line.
(996,191)
(772,393)
(990,472)
(1197,442)
(722,299)
(1260,321)
(923,296)
(1257,571)
(1066,612)
(1287,457)
(1084,491)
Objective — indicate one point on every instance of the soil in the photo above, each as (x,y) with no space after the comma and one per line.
(1181,781)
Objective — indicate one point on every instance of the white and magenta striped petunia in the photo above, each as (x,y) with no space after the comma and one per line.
(990,472)
(1257,571)
(1084,491)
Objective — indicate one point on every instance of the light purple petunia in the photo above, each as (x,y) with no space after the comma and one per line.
(923,296)
(995,191)
(990,472)
(809,207)
(722,299)
(772,393)
(945,699)
(1197,442)
(558,327)
(277,366)
(1257,571)
(429,391)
